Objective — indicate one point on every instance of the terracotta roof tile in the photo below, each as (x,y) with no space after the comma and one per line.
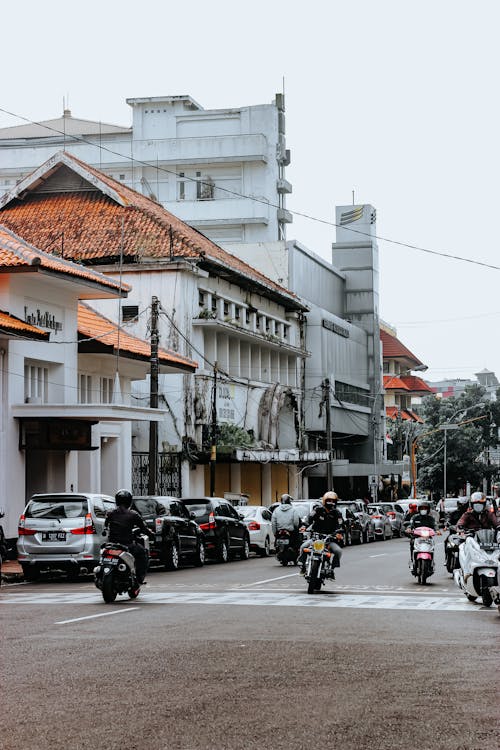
(16,254)
(405,414)
(392,348)
(416,384)
(92,221)
(392,382)
(11,325)
(93,325)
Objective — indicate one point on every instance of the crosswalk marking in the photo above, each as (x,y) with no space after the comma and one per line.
(332,600)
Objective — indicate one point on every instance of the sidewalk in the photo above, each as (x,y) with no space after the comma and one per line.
(11,571)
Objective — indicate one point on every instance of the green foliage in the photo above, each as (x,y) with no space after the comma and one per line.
(466,446)
(231,436)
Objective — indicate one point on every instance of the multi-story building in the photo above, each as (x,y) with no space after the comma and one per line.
(221,170)
(66,376)
(245,330)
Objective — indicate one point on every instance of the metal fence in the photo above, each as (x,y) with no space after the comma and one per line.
(169,474)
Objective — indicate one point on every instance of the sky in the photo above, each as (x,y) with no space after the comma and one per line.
(394,100)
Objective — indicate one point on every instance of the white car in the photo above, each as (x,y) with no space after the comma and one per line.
(258,522)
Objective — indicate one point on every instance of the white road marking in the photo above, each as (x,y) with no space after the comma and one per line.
(270,580)
(329,599)
(383,554)
(101,614)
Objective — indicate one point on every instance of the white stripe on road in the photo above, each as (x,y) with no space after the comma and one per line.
(330,599)
(101,614)
(383,554)
(270,580)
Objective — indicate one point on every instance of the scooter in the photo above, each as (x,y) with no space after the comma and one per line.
(452,546)
(422,555)
(285,551)
(478,575)
(115,573)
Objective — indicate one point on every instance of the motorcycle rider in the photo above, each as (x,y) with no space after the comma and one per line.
(121,521)
(287,517)
(477,516)
(452,520)
(421,518)
(412,509)
(325,519)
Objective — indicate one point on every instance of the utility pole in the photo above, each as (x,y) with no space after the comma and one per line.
(328,430)
(213,447)
(153,400)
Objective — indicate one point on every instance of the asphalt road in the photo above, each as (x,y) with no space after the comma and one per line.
(239,656)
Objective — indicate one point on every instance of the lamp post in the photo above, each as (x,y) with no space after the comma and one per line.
(445,428)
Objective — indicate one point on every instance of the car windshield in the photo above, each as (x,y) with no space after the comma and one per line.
(57,507)
(351,506)
(373,509)
(148,506)
(387,507)
(246,511)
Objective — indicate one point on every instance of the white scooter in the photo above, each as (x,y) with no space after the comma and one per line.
(478,575)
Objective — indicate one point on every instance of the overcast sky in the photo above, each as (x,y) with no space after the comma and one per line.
(395,100)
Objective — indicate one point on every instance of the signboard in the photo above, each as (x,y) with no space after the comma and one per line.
(43,316)
(226,411)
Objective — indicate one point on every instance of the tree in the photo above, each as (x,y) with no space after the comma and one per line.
(466,447)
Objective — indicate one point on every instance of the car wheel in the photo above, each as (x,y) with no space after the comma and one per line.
(266,551)
(199,558)
(172,557)
(223,551)
(245,551)
(361,537)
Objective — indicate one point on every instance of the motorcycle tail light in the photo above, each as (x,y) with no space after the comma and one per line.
(112,553)
(253,526)
(391,514)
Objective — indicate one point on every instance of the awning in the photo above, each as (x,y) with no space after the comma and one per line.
(91,412)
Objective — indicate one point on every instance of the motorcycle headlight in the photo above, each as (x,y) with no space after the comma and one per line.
(318,545)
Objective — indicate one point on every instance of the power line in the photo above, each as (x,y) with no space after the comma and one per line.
(302,214)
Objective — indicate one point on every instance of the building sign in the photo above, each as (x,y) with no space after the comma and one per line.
(335,327)
(225,403)
(42,318)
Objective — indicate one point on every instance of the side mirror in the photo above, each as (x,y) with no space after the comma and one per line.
(241,516)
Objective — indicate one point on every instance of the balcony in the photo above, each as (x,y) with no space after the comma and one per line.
(215,212)
(204,150)
(245,334)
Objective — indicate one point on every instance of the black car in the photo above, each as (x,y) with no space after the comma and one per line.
(178,538)
(225,531)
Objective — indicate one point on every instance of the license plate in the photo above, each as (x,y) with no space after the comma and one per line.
(110,561)
(53,536)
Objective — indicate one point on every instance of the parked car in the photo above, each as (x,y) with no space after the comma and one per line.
(396,513)
(381,521)
(225,531)
(367,527)
(305,508)
(258,521)
(352,526)
(62,532)
(178,538)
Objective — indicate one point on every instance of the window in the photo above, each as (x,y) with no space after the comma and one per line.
(351,394)
(268,325)
(122,177)
(285,332)
(130,312)
(181,187)
(201,298)
(247,316)
(237,312)
(84,389)
(226,308)
(257,322)
(106,390)
(36,384)
(214,304)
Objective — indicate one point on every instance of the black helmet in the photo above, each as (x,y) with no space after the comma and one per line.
(424,506)
(286,499)
(124,497)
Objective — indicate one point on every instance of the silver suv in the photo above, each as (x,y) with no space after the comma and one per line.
(62,532)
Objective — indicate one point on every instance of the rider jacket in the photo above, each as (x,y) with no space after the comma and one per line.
(473,521)
(326,522)
(121,522)
(417,521)
(285,517)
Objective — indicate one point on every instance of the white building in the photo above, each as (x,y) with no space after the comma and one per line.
(221,170)
(214,307)
(65,411)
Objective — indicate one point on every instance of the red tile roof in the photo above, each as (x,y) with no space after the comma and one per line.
(92,325)
(12,326)
(416,384)
(392,382)
(110,220)
(16,254)
(405,414)
(392,348)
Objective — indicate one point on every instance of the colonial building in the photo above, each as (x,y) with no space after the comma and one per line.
(65,380)
(245,330)
(220,170)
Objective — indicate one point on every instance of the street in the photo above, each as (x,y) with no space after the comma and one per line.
(239,656)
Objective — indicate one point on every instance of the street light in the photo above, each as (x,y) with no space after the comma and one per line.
(446,426)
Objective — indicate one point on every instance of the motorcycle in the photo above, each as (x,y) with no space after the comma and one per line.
(285,551)
(115,573)
(422,554)
(319,564)
(452,547)
(478,574)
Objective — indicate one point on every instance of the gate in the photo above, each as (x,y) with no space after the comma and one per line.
(169,473)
